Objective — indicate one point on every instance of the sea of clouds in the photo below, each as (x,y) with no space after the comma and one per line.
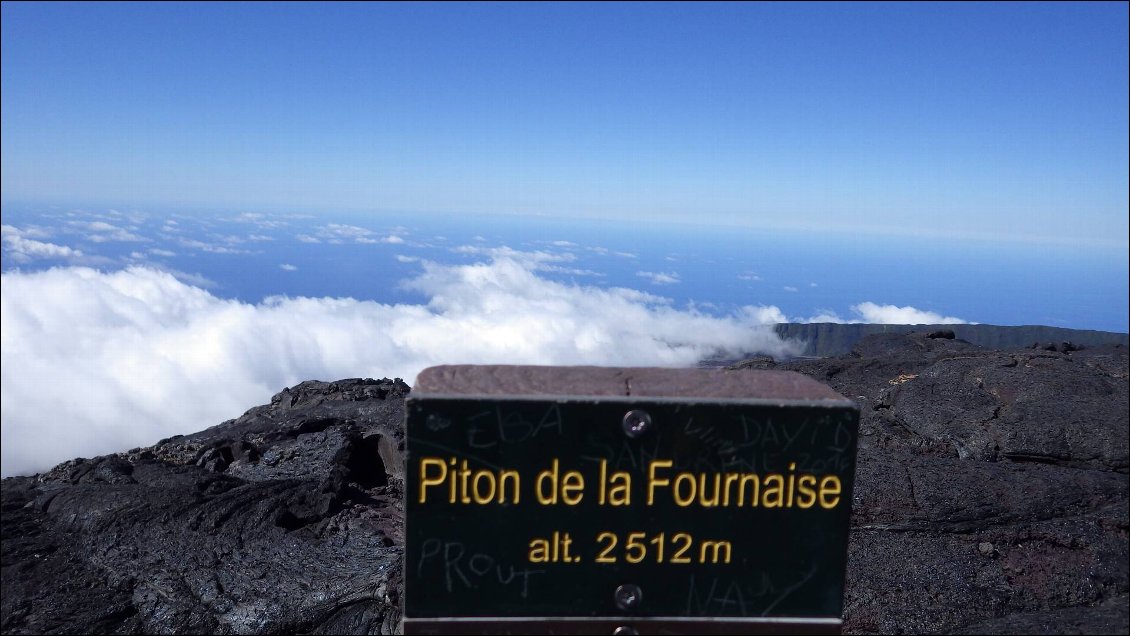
(96,362)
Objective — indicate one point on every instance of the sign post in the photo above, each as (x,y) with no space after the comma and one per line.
(621,500)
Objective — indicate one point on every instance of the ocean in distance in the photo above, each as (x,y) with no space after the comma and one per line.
(716,270)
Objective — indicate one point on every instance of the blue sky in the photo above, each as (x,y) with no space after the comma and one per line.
(1002,121)
(221,200)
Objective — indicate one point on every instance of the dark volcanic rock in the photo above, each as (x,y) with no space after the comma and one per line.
(991,497)
(991,488)
(836,339)
(284,520)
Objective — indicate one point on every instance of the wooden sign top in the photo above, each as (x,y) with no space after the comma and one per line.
(622,381)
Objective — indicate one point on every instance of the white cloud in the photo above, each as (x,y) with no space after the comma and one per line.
(535,260)
(27,231)
(790,288)
(96,362)
(869,312)
(258,219)
(341,232)
(21,249)
(103,232)
(188,278)
(287,267)
(572,271)
(749,276)
(764,315)
(338,233)
(660,278)
(156,251)
(892,315)
(214,248)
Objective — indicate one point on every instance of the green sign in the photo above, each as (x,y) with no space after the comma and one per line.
(641,507)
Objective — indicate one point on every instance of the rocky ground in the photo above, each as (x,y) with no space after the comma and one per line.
(991,497)
(282,521)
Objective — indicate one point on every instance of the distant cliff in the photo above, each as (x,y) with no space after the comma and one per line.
(833,339)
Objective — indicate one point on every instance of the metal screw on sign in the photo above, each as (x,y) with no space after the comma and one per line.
(636,423)
(628,596)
